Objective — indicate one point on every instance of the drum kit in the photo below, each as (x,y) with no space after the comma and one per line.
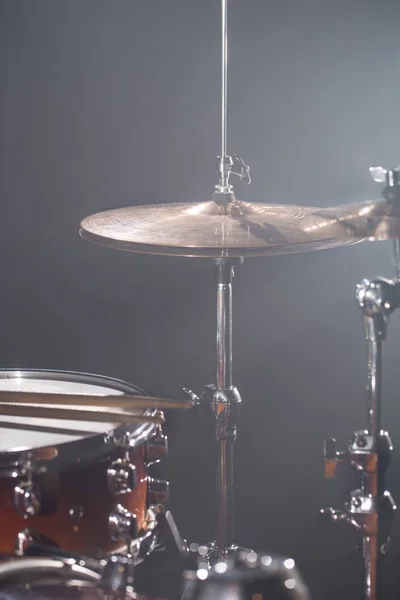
(79,506)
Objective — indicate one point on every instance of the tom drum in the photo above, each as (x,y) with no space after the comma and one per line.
(83,487)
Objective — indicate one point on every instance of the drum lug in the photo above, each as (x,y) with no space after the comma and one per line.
(157,491)
(26,538)
(27,499)
(121,477)
(156,448)
(76,513)
(122,525)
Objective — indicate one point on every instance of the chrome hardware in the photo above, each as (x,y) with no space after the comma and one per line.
(204,400)
(361,453)
(224,169)
(361,512)
(362,504)
(370,510)
(245,574)
(29,539)
(362,443)
(157,491)
(27,499)
(382,175)
(378,299)
(121,477)
(122,525)
(76,513)
(227,166)
(222,402)
(118,576)
(26,538)
(157,448)
(391,179)
(194,398)
(333,514)
(225,408)
(243,171)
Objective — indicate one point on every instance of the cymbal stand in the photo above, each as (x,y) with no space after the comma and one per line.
(223,400)
(371,508)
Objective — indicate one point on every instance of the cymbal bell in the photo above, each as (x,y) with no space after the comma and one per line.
(206,229)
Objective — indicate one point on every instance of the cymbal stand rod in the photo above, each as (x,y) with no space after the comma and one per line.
(396,251)
(224,323)
(223,194)
(374,375)
(224,78)
(223,402)
(370,540)
(227,165)
(221,408)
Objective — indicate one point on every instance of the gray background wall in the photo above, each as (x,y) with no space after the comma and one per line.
(106,104)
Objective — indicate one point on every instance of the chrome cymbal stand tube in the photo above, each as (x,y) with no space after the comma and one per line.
(371,508)
(225,406)
(226,164)
(223,401)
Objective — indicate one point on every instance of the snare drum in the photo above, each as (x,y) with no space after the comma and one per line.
(77,485)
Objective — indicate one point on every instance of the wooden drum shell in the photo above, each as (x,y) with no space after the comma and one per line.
(76,505)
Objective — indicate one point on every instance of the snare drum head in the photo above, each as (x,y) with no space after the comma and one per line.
(18,434)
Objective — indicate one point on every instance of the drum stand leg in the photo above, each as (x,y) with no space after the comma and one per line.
(223,400)
(371,508)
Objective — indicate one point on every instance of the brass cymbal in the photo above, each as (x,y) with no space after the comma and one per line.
(92,401)
(371,220)
(206,229)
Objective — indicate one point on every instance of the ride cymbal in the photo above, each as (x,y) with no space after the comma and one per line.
(207,229)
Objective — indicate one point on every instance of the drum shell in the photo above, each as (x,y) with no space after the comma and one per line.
(75,505)
(76,502)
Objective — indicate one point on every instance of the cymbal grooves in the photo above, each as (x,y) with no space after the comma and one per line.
(206,229)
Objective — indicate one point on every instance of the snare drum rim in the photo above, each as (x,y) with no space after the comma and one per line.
(89,447)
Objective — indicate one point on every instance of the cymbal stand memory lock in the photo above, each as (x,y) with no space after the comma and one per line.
(371,508)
